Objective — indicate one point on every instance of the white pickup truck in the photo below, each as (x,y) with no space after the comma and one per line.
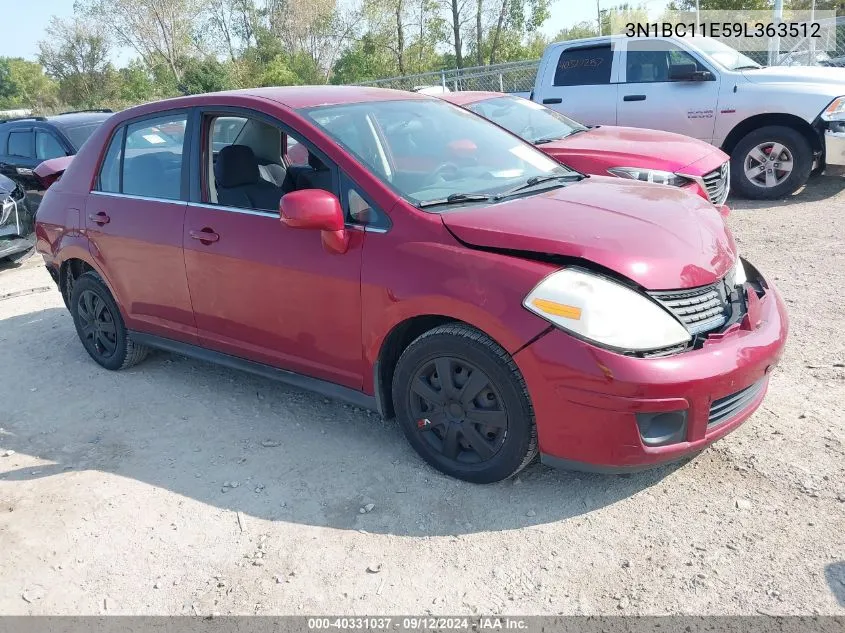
(777,123)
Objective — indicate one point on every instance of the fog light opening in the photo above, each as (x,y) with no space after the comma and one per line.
(662,429)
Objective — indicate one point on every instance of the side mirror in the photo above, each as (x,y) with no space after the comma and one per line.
(688,72)
(319,210)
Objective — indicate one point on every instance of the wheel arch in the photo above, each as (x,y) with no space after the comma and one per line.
(75,263)
(772,118)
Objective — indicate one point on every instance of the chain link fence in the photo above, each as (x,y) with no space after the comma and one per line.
(518,77)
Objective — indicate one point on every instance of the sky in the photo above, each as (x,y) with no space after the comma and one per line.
(22,39)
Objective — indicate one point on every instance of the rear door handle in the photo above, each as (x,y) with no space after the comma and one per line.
(101,218)
(554,100)
(633,98)
(206,236)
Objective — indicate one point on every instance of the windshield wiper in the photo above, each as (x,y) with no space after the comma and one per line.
(548,139)
(455,198)
(538,180)
(748,67)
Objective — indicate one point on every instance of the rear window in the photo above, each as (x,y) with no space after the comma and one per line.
(78,134)
(584,66)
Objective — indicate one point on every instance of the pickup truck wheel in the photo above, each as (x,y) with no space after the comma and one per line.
(771,162)
(463,405)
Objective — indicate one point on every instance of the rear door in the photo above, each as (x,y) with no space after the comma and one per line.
(580,81)
(134,220)
(649,99)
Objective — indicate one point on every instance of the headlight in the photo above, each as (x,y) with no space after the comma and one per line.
(604,311)
(649,175)
(835,111)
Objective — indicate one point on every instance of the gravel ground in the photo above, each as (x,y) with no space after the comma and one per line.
(178,487)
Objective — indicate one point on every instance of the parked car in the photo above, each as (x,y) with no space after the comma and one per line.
(27,141)
(424,263)
(626,152)
(775,123)
(16,221)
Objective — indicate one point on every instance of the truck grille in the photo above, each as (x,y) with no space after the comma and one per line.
(724,409)
(700,309)
(718,183)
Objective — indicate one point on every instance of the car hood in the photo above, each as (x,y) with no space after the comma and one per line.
(635,147)
(819,75)
(658,236)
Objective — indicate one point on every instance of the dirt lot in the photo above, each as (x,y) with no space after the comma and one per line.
(178,487)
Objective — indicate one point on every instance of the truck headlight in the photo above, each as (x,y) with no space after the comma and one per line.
(739,273)
(604,311)
(649,175)
(835,111)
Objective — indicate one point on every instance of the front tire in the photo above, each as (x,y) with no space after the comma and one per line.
(771,162)
(100,326)
(463,405)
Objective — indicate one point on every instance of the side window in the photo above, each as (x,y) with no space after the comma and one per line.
(296,153)
(20,144)
(47,146)
(110,169)
(360,211)
(152,166)
(584,66)
(648,61)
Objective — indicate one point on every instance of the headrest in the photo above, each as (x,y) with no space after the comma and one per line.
(236,165)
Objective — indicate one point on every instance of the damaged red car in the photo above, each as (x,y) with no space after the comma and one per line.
(420,261)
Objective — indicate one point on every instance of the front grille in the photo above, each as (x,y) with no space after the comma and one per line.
(730,406)
(700,309)
(718,183)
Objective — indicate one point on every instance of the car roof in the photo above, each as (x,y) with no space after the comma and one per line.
(76,118)
(470,96)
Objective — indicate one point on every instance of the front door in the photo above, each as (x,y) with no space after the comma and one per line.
(647,98)
(261,290)
(134,221)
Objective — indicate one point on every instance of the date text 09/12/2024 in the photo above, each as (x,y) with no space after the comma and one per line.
(723,29)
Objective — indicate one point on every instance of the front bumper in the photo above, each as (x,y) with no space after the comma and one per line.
(586,399)
(834,143)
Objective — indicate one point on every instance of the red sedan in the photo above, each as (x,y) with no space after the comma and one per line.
(626,152)
(420,261)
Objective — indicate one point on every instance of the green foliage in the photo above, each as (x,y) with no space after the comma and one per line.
(204,75)
(7,86)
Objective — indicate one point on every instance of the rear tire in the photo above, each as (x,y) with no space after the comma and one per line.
(100,326)
(463,405)
(756,174)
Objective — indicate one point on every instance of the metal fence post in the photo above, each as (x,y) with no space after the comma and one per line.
(501,84)
(443,79)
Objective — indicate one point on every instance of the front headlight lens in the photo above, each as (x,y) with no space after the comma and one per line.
(739,273)
(835,111)
(649,175)
(604,311)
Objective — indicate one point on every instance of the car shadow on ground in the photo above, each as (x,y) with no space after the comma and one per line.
(819,187)
(249,444)
(835,576)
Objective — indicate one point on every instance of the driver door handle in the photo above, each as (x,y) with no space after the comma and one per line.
(633,98)
(101,218)
(206,236)
(553,100)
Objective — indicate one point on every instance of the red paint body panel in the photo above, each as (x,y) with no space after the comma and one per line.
(607,221)
(596,150)
(585,397)
(276,294)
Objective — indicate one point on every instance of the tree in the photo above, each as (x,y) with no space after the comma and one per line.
(76,53)
(204,75)
(33,89)
(160,31)
(7,86)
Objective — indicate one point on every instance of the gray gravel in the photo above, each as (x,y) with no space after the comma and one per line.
(178,487)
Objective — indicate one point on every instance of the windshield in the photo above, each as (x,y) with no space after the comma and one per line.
(78,134)
(527,119)
(723,54)
(429,150)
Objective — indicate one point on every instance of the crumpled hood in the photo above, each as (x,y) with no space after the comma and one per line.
(617,146)
(7,186)
(819,75)
(658,236)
